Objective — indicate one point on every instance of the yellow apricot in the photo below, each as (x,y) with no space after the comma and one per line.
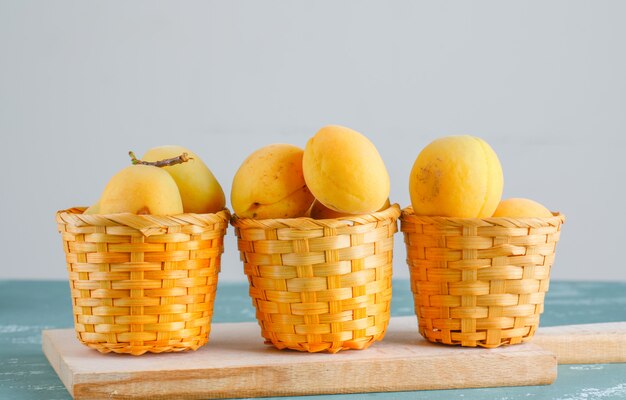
(456,176)
(270,184)
(199,190)
(141,189)
(93,209)
(520,208)
(320,211)
(344,171)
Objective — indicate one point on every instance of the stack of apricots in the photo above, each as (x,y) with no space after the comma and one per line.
(339,173)
(461,176)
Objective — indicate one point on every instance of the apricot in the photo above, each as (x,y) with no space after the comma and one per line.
(199,190)
(93,209)
(520,208)
(344,171)
(456,176)
(141,189)
(270,184)
(320,211)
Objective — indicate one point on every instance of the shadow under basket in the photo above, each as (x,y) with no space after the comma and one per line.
(479,281)
(142,283)
(320,285)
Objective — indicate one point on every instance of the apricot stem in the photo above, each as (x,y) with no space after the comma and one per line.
(168,162)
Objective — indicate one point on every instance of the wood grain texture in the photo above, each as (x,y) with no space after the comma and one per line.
(585,344)
(236,363)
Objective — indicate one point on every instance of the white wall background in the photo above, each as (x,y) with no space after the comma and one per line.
(544,82)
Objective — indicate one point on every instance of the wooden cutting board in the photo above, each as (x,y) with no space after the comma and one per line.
(236,363)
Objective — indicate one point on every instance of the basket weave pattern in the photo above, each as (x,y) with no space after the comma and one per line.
(320,285)
(142,283)
(479,282)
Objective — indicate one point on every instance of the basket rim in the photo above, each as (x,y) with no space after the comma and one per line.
(557,218)
(148,224)
(391,213)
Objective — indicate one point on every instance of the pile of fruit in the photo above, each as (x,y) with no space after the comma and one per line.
(461,176)
(339,173)
(168,180)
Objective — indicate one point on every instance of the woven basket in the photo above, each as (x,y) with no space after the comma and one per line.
(479,282)
(320,285)
(142,283)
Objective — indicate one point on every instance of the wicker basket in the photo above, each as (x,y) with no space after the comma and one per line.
(320,285)
(142,283)
(479,282)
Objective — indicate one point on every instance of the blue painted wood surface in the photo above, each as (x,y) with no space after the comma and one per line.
(27,307)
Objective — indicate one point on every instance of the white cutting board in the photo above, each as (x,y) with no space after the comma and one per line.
(236,363)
